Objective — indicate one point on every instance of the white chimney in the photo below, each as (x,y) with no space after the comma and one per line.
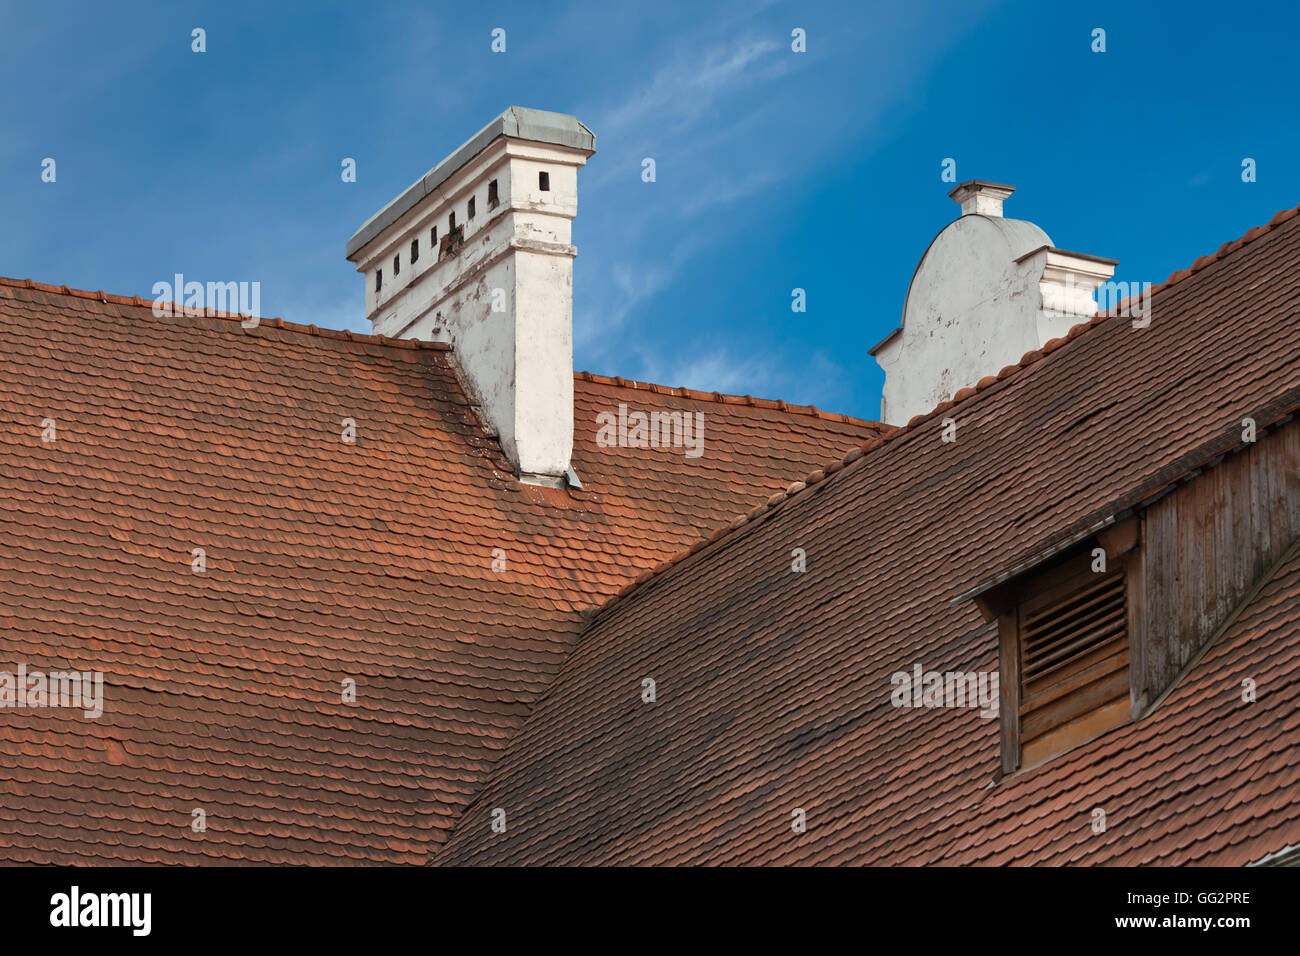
(477,253)
(987,291)
(978,198)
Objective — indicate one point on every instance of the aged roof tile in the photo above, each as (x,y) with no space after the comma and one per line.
(774,687)
(326,562)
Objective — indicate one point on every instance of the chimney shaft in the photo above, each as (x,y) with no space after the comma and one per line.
(477,253)
(977,197)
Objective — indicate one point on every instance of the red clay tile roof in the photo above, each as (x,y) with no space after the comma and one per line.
(773,687)
(325,561)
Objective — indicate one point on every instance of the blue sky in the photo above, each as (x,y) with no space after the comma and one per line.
(775,170)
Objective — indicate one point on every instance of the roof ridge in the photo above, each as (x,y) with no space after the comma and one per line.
(961,395)
(275,322)
(722,398)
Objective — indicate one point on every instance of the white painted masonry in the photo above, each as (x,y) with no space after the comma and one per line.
(987,290)
(499,286)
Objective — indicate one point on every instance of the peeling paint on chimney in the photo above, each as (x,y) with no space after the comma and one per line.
(499,288)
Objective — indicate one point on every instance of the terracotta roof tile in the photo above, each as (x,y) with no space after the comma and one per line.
(373,561)
(773,687)
(325,561)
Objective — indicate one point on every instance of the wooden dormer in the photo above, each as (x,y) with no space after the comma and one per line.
(1096,631)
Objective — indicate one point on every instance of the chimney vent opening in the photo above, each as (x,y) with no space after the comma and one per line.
(451,222)
(397,265)
(433,238)
(469,209)
(415,251)
(379,279)
(544,182)
(493,199)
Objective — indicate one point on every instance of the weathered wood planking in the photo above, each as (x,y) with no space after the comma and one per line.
(1207,542)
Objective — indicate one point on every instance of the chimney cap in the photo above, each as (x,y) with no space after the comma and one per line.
(517,122)
(980,197)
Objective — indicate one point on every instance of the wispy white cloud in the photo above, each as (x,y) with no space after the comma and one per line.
(672,116)
(820,381)
(713,371)
(729,192)
(629,281)
(676,113)
(687,89)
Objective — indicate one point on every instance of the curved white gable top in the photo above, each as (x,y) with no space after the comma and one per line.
(987,291)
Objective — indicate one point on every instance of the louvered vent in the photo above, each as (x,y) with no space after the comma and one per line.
(1074,665)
